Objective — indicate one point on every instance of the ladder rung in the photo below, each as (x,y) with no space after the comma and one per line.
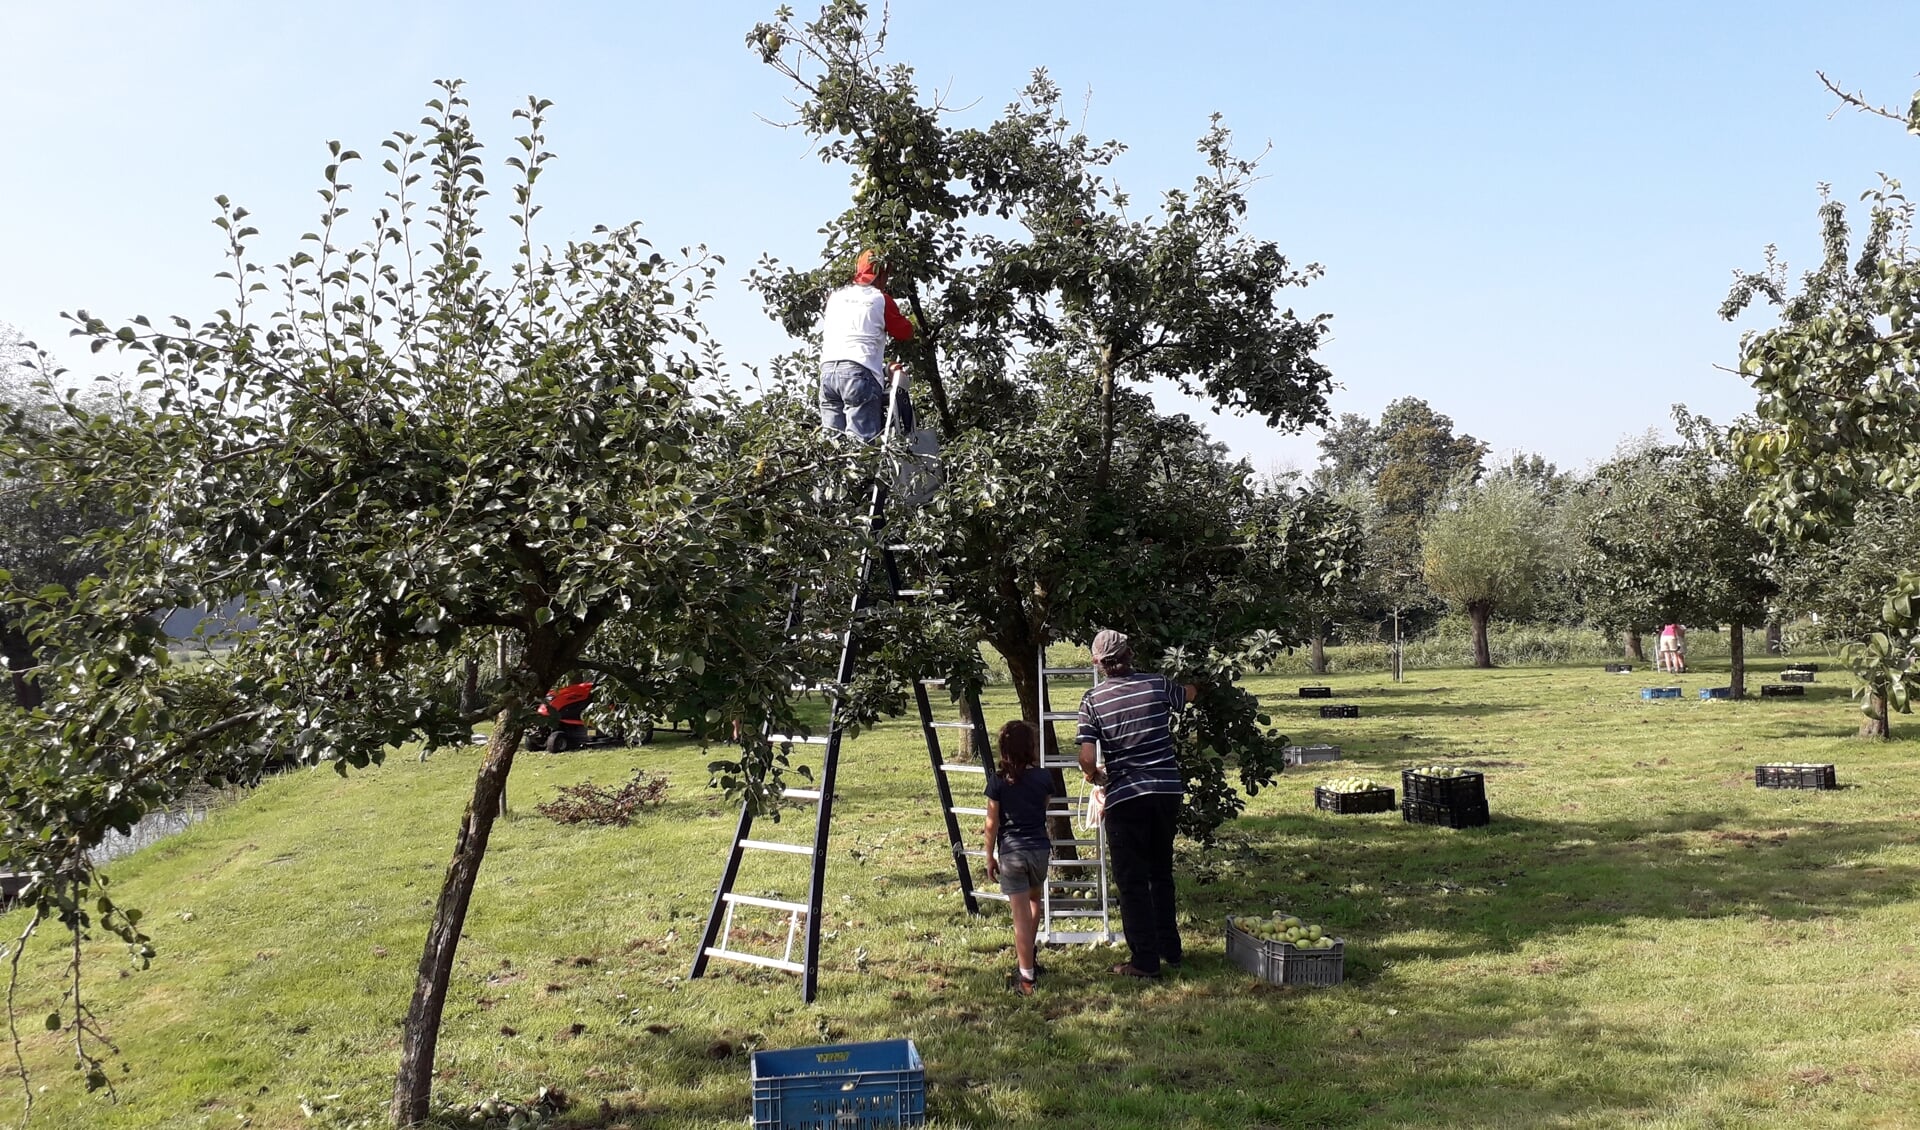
(1078,914)
(997,895)
(976,853)
(774,845)
(921,592)
(756,959)
(795,739)
(899,549)
(1060,716)
(950,725)
(1082,672)
(933,682)
(770,904)
(968,811)
(1059,763)
(1074,863)
(801,794)
(1076,843)
(946,768)
(1070,937)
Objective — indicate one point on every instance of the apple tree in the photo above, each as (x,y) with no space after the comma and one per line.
(1835,433)
(391,452)
(1046,305)
(1486,549)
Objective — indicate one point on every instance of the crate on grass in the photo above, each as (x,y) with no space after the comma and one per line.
(1659,692)
(1796,676)
(1342,710)
(1618,668)
(1783,690)
(1446,815)
(1283,963)
(1710,693)
(1352,803)
(1316,692)
(1803,667)
(840,1087)
(1794,777)
(1459,788)
(1309,754)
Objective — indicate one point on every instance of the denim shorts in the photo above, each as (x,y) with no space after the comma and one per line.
(852,399)
(1022,869)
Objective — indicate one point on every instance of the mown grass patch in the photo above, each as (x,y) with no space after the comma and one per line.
(1640,936)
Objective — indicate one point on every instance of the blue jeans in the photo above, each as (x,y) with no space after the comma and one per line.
(852,399)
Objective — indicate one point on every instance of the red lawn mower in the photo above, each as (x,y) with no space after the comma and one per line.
(562,724)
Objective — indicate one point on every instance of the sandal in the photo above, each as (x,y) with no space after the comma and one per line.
(1022,985)
(1126,969)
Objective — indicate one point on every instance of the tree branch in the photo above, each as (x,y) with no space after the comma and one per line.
(1857,101)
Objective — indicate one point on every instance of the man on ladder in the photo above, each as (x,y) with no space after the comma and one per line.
(854,330)
(1128,716)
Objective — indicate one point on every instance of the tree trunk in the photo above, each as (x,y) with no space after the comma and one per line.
(470,686)
(21,661)
(1480,612)
(1105,463)
(1876,725)
(1737,651)
(1776,639)
(1318,654)
(1635,651)
(413,1089)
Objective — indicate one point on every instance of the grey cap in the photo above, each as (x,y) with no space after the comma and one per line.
(1109,644)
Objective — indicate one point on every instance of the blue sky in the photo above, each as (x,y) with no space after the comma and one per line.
(1527,212)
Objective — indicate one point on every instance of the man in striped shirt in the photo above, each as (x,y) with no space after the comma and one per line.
(1128,718)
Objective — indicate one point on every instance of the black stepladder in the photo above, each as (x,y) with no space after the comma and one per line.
(803,918)
(1076,905)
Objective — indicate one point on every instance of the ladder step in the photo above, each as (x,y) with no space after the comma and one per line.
(795,739)
(950,725)
(1080,672)
(801,794)
(968,811)
(1059,763)
(933,682)
(1060,716)
(1078,914)
(1075,843)
(774,845)
(770,904)
(996,895)
(1073,863)
(1073,937)
(945,768)
(921,592)
(756,959)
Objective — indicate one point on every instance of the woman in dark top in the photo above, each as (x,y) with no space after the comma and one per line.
(1018,845)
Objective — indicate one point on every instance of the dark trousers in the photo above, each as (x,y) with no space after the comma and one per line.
(1140,841)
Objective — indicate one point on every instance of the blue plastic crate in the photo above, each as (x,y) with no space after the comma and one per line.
(1709,693)
(840,1087)
(1659,692)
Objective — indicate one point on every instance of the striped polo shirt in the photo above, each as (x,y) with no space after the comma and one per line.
(1130,716)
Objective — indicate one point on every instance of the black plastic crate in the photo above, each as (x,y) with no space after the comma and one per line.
(1618,668)
(1783,690)
(1796,676)
(1341,710)
(1316,692)
(1283,963)
(1351,804)
(1466,790)
(1794,777)
(1446,815)
(1803,667)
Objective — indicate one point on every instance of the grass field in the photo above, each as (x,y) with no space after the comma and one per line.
(1641,937)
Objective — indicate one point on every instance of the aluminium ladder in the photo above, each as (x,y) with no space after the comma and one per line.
(801,920)
(1075,907)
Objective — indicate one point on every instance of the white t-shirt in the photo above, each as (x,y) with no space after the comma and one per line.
(854,328)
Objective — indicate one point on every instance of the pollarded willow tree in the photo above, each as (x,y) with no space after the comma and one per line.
(1836,433)
(389,451)
(1046,306)
(1485,550)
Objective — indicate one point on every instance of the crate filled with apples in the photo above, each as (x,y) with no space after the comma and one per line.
(1446,795)
(1283,949)
(1346,796)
